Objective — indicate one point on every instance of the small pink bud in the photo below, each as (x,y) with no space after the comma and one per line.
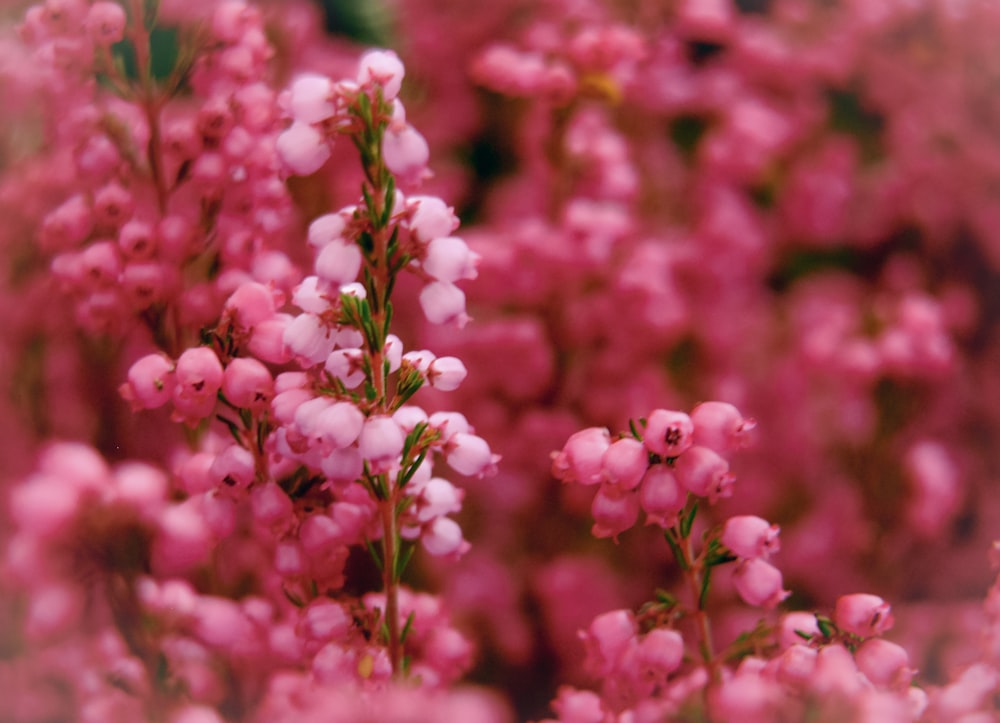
(624,463)
(794,623)
(405,152)
(885,664)
(199,377)
(449,259)
(309,339)
(443,537)
(578,706)
(580,458)
(381,439)
(446,373)
(704,473)
(749,536)
(863,615)
(303,148)
(438,497)
(137,240)
(250,304)
(325,620)
(248,384)
(270,504)
(384,68)
(267,342)
(606,640)
(347,365)
(796,664)
(759,583)
(661,652)
(329,227)
(102,264)
(342,465)
(661,496)
(615,510)
(339,262)
(310,98)
(144,284)
(150,382)
(340,424)
(720,427)
(668,433)
(234,467)
(113,206)
(470,455)
(443,303)
(430,218)
(67,226)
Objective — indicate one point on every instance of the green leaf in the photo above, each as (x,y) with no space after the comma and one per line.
(804,635)
(233,429)
(369,203)
(404,478)
(406,626)
(678,553)
(705,581)
(826,626)
(373,551)
(665,598)
(688,520)
(635,431)
(390,198)
(402,560)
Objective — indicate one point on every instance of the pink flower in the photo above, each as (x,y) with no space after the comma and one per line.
(303,148)
(199,376)
(660,652)
(624,463)
(250,304)
(443,303)
(326,228)
(607,639)
(443,538)
(863,615)
(446,373)
(339,262)
(759,583)
(668,433)
(615,510)
(704,473)
(347,366)
(885,664)
(381,439)
(247,383)
(430,218)
(150,382)
(749,536)
(405,152)
(720,427)
(309,339)
(384,68)
(470,455)
(449,259)
(578,706)
(580,458)
(661,496)
(310,98)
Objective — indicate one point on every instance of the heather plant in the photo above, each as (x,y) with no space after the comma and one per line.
(233,282)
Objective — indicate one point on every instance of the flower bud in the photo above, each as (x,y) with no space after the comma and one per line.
(759,583)
(863,615)
(668,433)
